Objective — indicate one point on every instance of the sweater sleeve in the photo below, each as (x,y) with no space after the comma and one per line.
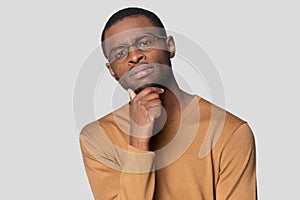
(237,175)
(116,175)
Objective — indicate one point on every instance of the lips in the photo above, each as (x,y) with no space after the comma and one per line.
(141,71)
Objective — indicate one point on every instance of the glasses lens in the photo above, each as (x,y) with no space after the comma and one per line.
(118,53)
(145,42)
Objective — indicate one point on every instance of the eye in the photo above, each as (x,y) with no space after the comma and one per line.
(118,52)
(144,42)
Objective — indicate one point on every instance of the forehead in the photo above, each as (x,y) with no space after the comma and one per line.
(126,30)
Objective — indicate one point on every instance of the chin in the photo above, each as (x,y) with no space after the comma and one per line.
(151,81)
(139,89)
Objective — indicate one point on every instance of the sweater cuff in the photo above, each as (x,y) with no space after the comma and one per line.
(136,160)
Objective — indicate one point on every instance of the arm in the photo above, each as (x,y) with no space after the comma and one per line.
(144,108)
(108,182)
(237,176)
(115,173)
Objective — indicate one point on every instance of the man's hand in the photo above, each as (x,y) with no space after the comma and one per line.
(144,108)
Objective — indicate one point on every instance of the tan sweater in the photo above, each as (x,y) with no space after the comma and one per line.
(208,153)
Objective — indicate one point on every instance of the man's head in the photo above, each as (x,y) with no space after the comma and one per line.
(134,40)
(131,12)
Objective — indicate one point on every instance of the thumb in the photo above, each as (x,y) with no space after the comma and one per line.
(131,93)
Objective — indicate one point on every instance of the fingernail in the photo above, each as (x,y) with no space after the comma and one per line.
(131,93)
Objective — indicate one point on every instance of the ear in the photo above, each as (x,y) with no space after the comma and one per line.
(171,46)
(111,71)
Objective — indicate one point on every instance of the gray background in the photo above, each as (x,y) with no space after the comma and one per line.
(254,45)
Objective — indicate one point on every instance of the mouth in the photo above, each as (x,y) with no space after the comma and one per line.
(141,71)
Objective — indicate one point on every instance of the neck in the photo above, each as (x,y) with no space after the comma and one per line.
(174,101)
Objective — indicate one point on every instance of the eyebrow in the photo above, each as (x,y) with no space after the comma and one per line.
(118,47)
(135,39)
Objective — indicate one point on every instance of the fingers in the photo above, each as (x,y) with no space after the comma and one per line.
(149,90)
(147,94)
(146,105)
(150,104)
(150,97)
(155,112)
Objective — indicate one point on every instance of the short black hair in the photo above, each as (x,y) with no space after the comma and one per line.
(131,12)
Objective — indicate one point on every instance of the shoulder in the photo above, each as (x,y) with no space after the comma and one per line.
(112,127)
(221,127)
(217,115)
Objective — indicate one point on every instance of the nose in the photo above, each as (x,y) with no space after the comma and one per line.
(135,56)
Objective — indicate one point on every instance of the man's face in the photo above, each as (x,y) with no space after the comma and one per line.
(131,62)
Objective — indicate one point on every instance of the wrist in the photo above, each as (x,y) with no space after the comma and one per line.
(140,143)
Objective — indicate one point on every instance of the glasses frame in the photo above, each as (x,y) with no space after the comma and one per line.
(127,47)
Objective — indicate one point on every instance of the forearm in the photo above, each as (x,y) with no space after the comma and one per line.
(135,179)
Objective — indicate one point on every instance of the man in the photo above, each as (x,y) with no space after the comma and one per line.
(166,143)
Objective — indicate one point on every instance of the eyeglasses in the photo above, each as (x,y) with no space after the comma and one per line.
(144,42)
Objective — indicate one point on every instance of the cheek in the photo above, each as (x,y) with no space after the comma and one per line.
(159,56)
(120,70)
